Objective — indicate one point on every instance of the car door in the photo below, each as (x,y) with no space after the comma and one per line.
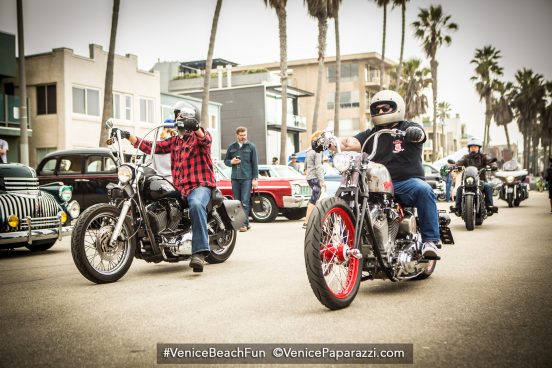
(99,170)
(69,170)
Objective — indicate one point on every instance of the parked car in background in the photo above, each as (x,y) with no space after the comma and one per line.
(434,179)
(283,191)
(32,216)
(87,170)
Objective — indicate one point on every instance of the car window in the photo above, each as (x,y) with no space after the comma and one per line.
(93,164)
(109,165)
(264,173)
(70,165)
(429,170)
(49,167)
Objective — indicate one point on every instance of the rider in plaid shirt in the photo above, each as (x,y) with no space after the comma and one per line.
(192,172)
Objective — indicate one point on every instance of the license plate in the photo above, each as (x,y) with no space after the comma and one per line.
(510,190)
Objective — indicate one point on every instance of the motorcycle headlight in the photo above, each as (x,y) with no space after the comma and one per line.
(342,162)
(74,209)
(510,179)
(470,180)
(66,193)
(125,174)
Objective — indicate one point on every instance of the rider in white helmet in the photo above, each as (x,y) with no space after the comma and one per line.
(480,160)
(403,158)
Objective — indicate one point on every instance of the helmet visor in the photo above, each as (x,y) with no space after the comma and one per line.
(382,107)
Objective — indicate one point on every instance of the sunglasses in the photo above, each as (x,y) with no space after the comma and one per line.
(382,108)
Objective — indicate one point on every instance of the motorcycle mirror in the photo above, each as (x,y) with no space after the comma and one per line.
(108,124)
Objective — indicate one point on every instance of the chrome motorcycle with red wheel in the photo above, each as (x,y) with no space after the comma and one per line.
(363,233)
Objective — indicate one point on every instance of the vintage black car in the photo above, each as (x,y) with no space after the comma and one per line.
(32,216)
(87,170)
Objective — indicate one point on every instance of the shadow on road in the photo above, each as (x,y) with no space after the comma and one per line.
(23,252)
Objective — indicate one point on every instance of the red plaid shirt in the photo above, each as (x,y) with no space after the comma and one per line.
(191,163)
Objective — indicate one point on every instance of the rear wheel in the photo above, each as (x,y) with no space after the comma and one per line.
(222,247)
(334,275)
(469,213)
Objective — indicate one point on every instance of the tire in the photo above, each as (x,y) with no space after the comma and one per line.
(41,246)
(270,212)
(295,213)
(98,218)
(221,251)
(517,202)
(320,269)
(469,212)
(510,200)
(427,272)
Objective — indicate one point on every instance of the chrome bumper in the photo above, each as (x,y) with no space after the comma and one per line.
(30,235)
(295,202)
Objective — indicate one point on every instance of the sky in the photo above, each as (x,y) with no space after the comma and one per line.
(179,30)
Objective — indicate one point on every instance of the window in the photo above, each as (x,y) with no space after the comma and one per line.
(70,165)
(347,99)
(122,106)
(100,164)
(146,110)
(49,167)
(46,99)
(349,72)
(86,101)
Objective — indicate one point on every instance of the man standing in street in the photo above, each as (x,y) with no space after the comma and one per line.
(242,157)
(294,164)
(3,151)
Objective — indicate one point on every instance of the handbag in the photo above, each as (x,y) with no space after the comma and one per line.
(257,202)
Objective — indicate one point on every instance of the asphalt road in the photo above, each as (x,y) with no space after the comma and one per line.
(488,304)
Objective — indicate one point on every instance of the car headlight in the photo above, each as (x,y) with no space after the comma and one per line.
(66,193)
(74,209)
(296,189)
(13,221)
(470,180)
(125,174)
(510,179)
(342,162)
(62,217)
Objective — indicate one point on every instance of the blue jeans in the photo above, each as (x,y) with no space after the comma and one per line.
(416,192)
(198,199)
(448,186)
(487,190)
(241,190)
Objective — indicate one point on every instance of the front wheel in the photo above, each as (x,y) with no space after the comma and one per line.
(334,275)
(97,259)
(469,212)
(510,200)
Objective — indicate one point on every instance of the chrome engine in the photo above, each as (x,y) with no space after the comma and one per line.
(164,216)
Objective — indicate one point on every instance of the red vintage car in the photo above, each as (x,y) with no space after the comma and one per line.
(283,191)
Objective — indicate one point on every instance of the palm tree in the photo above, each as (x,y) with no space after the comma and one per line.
(383,4)
(431,27)
(528,98)
(208,67)
(416,80)
(280,7)
(334,13)
(443,113)
(546,136)
(502,111)
(319,9)
(108,87)
(402,4)
(486,71)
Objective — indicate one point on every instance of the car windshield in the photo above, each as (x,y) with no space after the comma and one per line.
(282,171)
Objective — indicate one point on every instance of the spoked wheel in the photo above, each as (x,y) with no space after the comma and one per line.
(333,271)
(222,247)
(469,213)
(97,259)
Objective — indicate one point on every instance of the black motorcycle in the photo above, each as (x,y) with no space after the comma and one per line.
(473,207)
(513,189)
(363,233)
(148,219)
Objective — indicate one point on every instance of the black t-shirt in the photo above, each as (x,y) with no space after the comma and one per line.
(402,159)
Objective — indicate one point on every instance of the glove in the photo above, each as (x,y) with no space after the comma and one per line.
(413,134)
(124,134)
(190,125)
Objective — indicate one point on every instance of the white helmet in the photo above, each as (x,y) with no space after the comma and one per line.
(396,109)
(474,142)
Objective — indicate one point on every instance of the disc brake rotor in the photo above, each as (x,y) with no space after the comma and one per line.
(104,249)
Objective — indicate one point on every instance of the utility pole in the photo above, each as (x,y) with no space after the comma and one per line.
(24,145)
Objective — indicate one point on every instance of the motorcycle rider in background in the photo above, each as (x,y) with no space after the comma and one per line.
(480,160)
(192,172)
(403,158)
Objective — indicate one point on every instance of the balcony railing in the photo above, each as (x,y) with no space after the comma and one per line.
(292,121)
(8,104)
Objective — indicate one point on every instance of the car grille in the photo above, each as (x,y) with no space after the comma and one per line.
(41,223)
(37,207)
(21,185)
(306,191)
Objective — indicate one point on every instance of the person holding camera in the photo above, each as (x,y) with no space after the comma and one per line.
(241,155)
(192,171)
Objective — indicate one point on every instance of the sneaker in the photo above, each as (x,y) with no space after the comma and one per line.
(429,251)
(248,227)
(197,262)
(243,229)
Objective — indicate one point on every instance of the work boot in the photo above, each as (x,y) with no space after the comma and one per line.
(429,250)
(455,211)
(196,263)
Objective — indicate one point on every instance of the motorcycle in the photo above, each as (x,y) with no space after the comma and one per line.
(474,211)
(362,232)
(513,189)
(147,219)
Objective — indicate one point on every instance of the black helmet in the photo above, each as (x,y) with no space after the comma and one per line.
(183,112)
